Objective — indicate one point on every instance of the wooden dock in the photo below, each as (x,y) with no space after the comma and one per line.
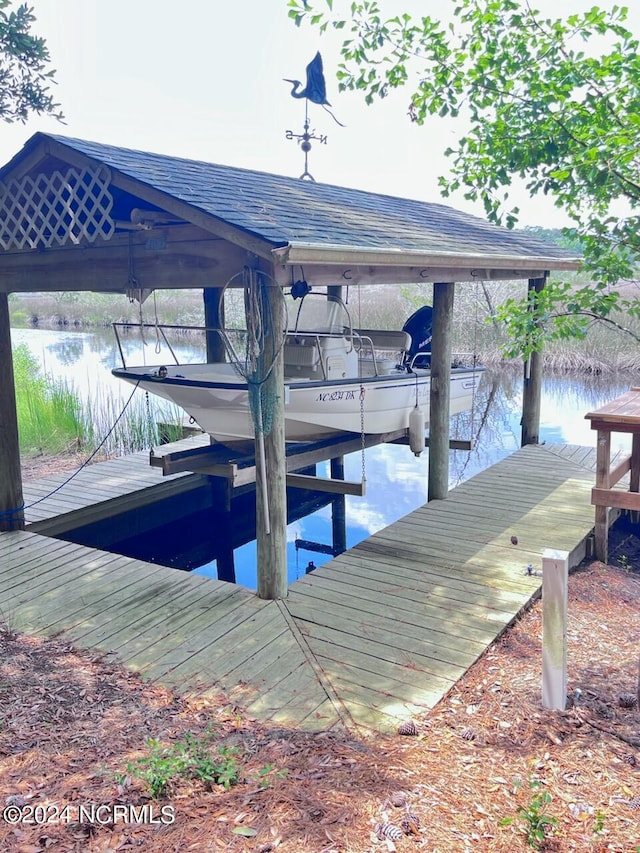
(369,639)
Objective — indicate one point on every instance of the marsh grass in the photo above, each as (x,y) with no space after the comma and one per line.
(89,310)
(52,418)
(134,429)
(475,329)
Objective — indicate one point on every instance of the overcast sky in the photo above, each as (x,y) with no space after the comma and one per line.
(203,79)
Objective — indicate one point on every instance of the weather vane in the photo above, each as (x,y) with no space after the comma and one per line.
(316,92)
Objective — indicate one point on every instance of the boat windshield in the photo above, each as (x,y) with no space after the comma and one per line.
(322,315)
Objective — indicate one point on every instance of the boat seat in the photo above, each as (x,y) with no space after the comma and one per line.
(386,339)
(301,352)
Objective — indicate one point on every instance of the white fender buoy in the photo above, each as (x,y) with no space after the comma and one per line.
(416,430)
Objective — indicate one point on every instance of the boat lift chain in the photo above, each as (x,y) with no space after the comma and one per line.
(362,439)
(150,426)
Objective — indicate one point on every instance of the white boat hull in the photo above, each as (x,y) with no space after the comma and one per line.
(216,397)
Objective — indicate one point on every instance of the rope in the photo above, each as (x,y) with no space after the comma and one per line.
(158,349)
(133,285)
(12,512)
(150,429)
(255,329)
(261,321)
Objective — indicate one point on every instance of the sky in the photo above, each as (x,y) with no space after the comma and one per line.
(203,79)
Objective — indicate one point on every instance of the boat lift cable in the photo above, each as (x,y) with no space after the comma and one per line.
(17,510)
(158,348)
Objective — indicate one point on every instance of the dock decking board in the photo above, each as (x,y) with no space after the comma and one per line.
(82,617)
(179,625)
(62,573)
(463,595)
(405,640)
(205,629)
(369,608)
(370,638)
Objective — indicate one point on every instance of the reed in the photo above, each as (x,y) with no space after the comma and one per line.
(121,430)
(475,327)
(89,310)
(52,418)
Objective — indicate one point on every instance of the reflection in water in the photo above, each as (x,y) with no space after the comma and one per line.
(494,421)
(396,480)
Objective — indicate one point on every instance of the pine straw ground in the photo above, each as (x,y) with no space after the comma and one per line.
(71,721)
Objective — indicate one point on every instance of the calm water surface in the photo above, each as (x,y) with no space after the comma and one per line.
(396,480)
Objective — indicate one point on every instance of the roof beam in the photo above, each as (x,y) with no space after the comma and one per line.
(358,265)
(161,258)
(321,275)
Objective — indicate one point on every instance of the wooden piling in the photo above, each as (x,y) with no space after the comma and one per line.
(213,319)
(443,293)
(555,575)
(532,387)
(11,501)
(271,491)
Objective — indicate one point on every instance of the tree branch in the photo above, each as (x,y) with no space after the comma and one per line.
(600,318)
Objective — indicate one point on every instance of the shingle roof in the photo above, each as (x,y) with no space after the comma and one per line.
(284,210)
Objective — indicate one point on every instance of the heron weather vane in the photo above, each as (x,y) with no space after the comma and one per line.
(316,92)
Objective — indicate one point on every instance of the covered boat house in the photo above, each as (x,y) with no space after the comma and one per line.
(83,216)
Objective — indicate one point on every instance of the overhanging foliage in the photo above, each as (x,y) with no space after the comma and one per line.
(554,103)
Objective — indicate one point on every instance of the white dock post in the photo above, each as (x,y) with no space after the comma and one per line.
(555,576)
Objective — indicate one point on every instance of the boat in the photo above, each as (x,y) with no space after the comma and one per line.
(337,379)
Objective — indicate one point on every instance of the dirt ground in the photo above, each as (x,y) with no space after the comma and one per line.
(48,465)
(85,745)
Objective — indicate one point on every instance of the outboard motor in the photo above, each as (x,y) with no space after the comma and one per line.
(419,326)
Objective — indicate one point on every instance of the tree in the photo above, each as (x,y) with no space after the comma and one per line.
(24,60)
(554,103)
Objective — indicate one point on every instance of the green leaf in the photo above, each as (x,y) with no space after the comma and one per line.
(245,831)
(537,108)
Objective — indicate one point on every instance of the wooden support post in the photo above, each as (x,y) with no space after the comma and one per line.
(213,319)
(11,500)
(338,510)
(440,390)
(271,492)
(634,483)
(603,481)
(532,388)
(225,563)
(555,575)
(334,290)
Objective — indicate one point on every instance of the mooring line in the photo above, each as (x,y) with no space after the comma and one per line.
(11,512)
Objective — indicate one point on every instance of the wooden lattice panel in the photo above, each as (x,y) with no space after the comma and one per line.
(46,210)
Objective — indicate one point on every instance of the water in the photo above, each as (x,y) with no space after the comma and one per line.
(396,481)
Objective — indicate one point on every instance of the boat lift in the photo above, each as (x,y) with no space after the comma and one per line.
(238,468)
